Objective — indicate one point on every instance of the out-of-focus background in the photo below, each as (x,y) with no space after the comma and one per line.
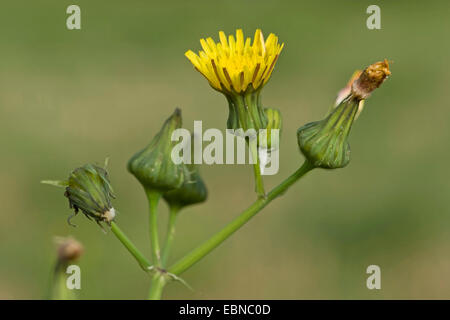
(72,97)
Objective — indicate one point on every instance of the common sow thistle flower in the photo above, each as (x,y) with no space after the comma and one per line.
(324,143)
(89,190)
(239,69)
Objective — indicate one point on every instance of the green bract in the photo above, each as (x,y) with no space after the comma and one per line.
(192,191)
(324,143)
(89,190)
(153,166)
(274,121)
(245,111)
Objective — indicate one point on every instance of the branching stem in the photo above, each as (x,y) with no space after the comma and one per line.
(206,247)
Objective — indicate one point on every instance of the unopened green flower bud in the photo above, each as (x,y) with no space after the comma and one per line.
(324,143)
(89,190)
(271,140)
(153,166)
(192,191)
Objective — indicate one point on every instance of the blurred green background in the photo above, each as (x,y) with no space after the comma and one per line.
(71,97)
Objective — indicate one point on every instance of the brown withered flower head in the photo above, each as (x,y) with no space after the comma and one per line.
(370,79)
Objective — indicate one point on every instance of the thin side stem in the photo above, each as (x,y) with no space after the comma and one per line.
(153,200)
(259,184)
(201,251)
(170,233)
(140,258)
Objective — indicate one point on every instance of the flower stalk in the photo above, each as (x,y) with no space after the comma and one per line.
(159,280)
(140,258)
(174,210)
(153,200)
(259,184)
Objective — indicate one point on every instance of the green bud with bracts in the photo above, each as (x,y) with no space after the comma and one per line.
(324,143)
(153,166)
(192,191)
(246,111)
(271,140)
(88,189)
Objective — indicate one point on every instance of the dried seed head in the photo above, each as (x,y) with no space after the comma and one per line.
(69,249)
(370,79)
(324,143)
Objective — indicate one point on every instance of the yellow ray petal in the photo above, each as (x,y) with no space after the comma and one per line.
(232,65)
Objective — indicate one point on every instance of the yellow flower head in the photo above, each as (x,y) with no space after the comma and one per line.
(234,65)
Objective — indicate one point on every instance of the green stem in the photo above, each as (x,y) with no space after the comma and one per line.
(157,286)
(259,184)
(153,199)
(201,251)
(58,289)
(143,262)
(170,233)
